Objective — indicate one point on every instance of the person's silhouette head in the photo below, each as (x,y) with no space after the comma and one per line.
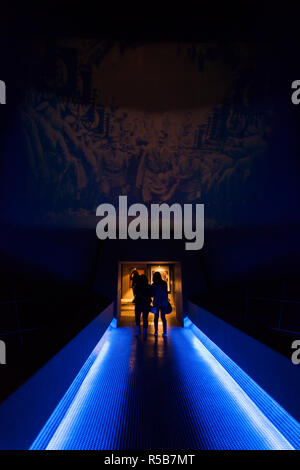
(143,280)
(135,275)
(157,278)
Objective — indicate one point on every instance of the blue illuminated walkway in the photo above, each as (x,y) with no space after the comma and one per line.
(137,393)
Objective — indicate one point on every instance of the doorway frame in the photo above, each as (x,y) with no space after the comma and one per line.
(177,284)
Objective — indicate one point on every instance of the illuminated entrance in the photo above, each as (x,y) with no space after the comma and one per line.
(170,272)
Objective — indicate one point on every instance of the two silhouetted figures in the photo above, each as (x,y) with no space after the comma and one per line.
(143,295)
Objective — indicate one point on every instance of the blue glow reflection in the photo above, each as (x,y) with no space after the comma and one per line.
(66,427)
(277,428)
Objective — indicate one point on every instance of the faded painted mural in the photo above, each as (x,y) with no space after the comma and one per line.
(92,131)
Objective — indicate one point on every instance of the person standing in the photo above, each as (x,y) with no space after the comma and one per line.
(142,303)
(159,292)
(134,279)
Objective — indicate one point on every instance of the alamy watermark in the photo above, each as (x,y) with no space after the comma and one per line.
(137,222)
(296,354)
(2,352)
(2,92)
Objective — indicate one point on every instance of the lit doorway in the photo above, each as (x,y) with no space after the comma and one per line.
(170,272)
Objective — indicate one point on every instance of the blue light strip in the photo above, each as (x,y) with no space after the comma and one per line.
(219,405)
(80,381)
(280,429)
(67,424)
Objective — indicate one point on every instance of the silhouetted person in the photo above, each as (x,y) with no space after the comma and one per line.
(142,303)
(134,278)
(159,291)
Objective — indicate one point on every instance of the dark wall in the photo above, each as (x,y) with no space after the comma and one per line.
(66,256)
(253,281)
(252,253)
(46,296)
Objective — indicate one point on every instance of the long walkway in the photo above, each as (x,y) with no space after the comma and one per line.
(158,393)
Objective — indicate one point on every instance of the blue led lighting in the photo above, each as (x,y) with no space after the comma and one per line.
(213,403)
(277,427)
(58,429)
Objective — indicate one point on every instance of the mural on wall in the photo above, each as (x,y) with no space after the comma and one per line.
(84,148)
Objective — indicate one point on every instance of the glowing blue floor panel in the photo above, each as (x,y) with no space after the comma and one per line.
(93,419)
(218,405)
(136,393)
(279,417)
